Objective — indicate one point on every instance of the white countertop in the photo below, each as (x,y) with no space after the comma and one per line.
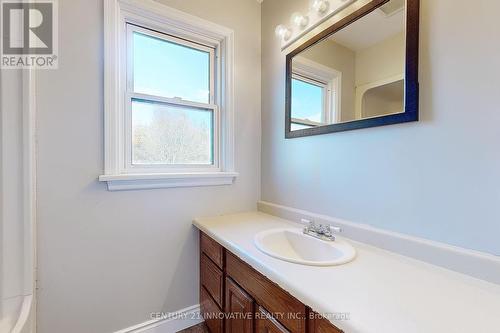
(380,291)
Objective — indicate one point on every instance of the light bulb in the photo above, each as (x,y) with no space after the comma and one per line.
(300,20)
(283,32)
(321,6)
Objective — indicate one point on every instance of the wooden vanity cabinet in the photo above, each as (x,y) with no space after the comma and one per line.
(212,284)
(235,298)
(212,250)
(265,323)
(212,279)
(283,306)
(316,324)
(239,309)
(211,312)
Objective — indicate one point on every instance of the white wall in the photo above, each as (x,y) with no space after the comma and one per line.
(109,259)
(381,61)
(438,178)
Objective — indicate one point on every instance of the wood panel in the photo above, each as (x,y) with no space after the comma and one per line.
(211,277)
(265,323)
(285,308)
(239,309)
(318,324)
(211,313)
(212,249)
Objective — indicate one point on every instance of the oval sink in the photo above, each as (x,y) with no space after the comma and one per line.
(293,245)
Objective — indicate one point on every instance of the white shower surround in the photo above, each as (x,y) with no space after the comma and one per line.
(17,221)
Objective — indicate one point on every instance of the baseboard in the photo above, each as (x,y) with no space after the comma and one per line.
(174,322)
(474,263)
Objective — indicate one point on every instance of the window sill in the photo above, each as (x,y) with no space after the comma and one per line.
(122,182)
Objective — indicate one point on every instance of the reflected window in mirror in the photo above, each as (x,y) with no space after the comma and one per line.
(315,94)
(308,102)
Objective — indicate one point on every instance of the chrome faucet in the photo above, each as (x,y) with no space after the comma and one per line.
(320,231)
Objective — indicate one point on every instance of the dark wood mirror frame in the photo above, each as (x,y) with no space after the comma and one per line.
(411,74)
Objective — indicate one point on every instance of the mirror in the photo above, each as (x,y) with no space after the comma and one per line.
(361,72)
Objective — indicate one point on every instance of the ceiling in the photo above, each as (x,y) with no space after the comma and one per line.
(373,28)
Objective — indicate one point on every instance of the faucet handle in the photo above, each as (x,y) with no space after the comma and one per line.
(310,225)
(335,229)
(330,230)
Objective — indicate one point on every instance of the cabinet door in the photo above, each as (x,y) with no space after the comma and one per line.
(265,323)
(239,309)
(318,324)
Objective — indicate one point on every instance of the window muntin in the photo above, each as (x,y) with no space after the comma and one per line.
(182,87)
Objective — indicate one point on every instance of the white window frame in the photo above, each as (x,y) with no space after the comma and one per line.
(331,79)
(121,18)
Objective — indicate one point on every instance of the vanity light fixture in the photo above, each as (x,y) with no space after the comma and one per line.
(300,20)
(319,11)
(321,6)
(283,32)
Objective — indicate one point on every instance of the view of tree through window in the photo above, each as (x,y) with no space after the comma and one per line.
(164,134)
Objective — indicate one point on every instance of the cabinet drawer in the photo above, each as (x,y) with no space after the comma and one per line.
(265,323)
(286,308)
(212,279)
(211,313)
(212,249)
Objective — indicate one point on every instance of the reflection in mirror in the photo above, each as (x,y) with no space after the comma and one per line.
(355,73)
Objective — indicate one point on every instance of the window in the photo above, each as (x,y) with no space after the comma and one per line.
(309,105)
(168,110)
(316,94)
(170,94)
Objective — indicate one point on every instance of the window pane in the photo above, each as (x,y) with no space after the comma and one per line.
(307,101)
(168,69)
(170,134)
